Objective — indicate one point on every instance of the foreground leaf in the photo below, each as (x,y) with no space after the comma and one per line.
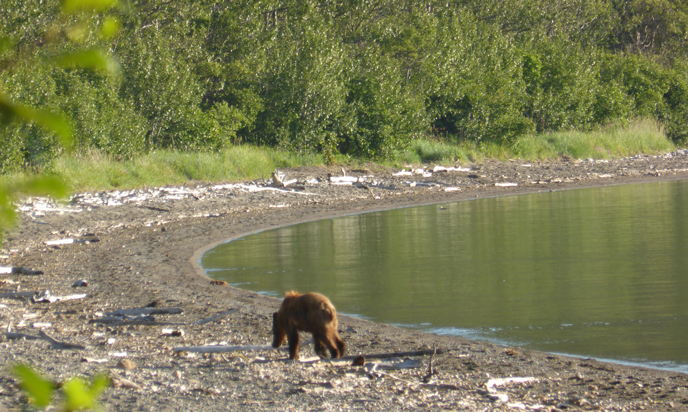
(44,186)
(77,396)
(37,388)
(92,59)
(50,121)
(72,6)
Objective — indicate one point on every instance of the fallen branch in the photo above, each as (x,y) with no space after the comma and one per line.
(115,321)
(221,348)
(59,345)
(15,335)
(44,336)
(218,316)
(397,354)
(145,311)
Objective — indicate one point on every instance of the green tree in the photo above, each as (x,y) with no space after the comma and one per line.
(651,27)
(477,91)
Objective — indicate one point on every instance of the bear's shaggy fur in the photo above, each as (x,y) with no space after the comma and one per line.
(310,312)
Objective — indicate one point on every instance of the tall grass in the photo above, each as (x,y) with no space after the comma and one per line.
(95,171)
(639,136)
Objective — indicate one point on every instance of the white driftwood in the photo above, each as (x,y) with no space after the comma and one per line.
(506,184)
(145,311)
(6,270)
(405,364)
(450,169)
(47,297)
(221,348)
(118,354)
(67,241)
(492,383)
(70,241)
(218,316)
(256,188)
(344,179)
(93,360)
(278,180)
(402,173)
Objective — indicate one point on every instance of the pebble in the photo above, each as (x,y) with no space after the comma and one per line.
(126,364)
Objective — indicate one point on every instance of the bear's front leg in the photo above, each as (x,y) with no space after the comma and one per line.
(320,348)
(293,338)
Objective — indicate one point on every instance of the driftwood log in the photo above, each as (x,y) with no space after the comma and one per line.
(221,348)
(215,317)
(44,336)
(145,311)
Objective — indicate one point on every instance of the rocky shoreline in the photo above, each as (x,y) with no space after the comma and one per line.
(140,248)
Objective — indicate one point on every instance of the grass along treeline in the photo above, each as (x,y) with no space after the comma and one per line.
(93,170)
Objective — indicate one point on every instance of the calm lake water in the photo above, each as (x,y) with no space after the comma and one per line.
(592,272)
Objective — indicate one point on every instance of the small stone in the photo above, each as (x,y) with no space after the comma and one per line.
(80,284)
(126,364)
(359,361)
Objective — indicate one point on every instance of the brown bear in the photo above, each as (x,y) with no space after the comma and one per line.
(310,312)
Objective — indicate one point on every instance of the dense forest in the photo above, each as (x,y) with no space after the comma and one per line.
(358,77)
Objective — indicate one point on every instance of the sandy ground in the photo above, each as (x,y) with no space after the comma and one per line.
(136,249)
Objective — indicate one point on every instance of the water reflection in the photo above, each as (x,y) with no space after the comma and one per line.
(594,272)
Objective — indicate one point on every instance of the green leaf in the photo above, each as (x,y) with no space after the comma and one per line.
(99,384)
(7,214)
(47,120)
(77,395)
(37,388)
(6,44)
(110,28)
(72,6)
(92,59)
(44,186)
